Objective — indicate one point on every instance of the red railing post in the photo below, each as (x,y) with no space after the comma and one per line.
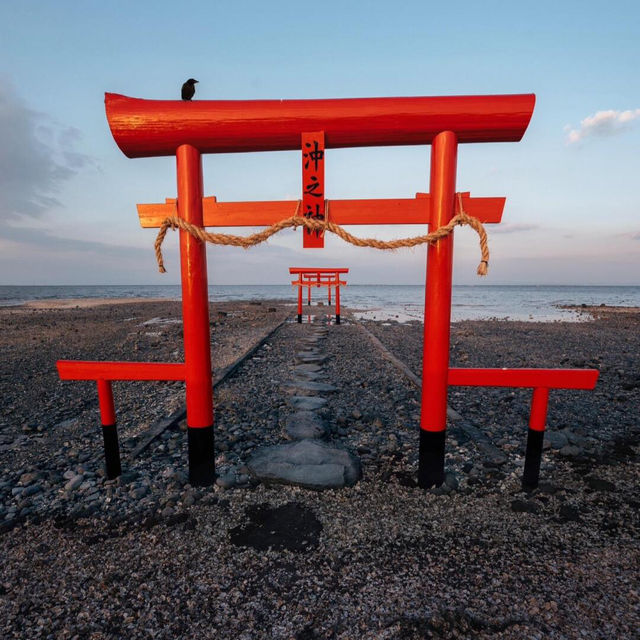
(109,430)
(195,316)
(437,314)
(535,438)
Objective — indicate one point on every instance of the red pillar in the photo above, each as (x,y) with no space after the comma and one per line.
(195,317)
(309,294)
(329,293)
(300,298)
(437,313)
(337,298)
(109,429)
(535,438)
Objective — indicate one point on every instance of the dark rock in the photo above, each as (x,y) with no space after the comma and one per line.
(547,488)
(569,513)
(307,358)
(525,506)
(292,526)
(226,481)
(307,368)
(31,490)
(571,451)
(177,518)
(307,403)
(451,480)
(597,484)
(310,386)
(307,463)
(305,424)
(556,439)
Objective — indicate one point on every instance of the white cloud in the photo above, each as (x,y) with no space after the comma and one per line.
(602,123)
(37,157)
(509,227)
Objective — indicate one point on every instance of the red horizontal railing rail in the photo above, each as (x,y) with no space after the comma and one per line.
(89,370)
(550,378)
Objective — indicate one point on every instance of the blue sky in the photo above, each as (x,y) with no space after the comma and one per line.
(68,195)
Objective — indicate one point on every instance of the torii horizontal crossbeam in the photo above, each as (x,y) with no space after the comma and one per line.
(344,212)
(143,128)
(319,270)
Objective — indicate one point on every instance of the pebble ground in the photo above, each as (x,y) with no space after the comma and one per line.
(149,556)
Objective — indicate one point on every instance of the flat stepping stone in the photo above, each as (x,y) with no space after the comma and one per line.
(308,375)
(307,463)
(313,388)
(305,425)
(306,358)
(307,368)
(307,403)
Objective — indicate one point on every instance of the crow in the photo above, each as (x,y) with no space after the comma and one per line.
(188,89)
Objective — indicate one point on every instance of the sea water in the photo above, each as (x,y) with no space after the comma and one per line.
(381,302)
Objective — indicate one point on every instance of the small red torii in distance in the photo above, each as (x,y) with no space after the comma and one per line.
(318,277)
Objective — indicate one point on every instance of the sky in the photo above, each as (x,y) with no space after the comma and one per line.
(68,194)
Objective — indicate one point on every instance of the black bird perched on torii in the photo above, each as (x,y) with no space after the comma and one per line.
(189,89)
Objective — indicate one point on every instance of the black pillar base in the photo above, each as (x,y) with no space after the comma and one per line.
(532,458)
(111,451)
(431,462)
(299,318)
(337,318)
(202,471)
(309,303)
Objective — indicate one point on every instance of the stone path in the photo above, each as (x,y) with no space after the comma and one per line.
(308,461)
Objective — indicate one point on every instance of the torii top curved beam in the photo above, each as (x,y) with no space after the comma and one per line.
(143,128)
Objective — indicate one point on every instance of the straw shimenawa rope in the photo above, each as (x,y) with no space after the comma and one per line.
(461,218)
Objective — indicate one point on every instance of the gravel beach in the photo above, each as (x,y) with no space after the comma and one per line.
(149,556)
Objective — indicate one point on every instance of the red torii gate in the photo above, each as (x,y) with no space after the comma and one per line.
(145,128)
(318,277)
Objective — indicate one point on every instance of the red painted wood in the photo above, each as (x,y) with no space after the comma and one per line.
(90,370)
(195,293)
(105,400)
(435,360)
(539,404)
(313,270)
(318,277)
(321,283)
(313,201)
(343,212)
(551,378)
(143,128)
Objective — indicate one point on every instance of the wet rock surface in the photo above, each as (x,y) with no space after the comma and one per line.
(90,558)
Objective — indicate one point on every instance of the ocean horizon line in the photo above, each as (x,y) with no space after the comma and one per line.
(359,284)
